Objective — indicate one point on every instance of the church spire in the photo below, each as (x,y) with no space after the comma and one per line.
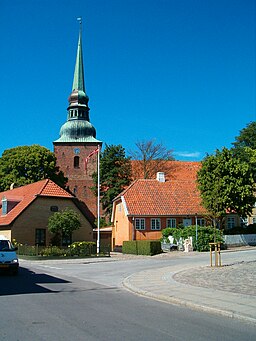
(78,82)
(78,127)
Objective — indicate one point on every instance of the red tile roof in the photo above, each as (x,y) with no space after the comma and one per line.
(177,196)
(173,169)
(150,197)
(25,195)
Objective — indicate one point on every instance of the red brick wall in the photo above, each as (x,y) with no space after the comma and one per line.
(79,179)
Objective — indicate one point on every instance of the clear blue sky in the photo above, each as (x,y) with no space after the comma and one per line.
(182,72)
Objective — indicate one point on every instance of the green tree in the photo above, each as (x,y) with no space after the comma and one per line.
(151,158)
(245,145)
(226,184)
(115,174)
(247,137)
(62,224)
(27,164)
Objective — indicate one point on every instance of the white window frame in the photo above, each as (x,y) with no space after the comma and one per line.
(171,222)
(231,222)
(139,223)
(155,224)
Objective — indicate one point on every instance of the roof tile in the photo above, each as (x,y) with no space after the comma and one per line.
(25,195)
(176,196)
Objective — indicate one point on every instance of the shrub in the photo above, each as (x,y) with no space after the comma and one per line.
(142,247)
(82,248)
(53,251)
(205,235)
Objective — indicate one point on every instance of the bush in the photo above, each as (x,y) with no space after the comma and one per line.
(53,251)
(205,235)
(142,247)
(82,249)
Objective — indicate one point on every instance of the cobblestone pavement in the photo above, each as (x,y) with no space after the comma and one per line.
(237,278)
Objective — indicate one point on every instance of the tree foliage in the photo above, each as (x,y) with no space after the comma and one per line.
(27,164)
(245,146)
(64,223)
(247,137)
(115,174)
(226,184)
(151,158)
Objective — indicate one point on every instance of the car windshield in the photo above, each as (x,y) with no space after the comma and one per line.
(5,245)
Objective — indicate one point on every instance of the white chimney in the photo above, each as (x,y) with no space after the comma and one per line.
(160,176)
(4,206)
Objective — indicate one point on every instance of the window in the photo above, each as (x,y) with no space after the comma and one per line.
(254,220)
(171,222)
(75,191)
(200,221)
(54,208)
(155,224)
(40,237)
(76,162)
(140,224)
(230,222)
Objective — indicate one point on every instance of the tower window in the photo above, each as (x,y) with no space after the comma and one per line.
(75,190)
(76,162)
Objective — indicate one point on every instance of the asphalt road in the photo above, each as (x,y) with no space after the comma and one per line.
(44,303)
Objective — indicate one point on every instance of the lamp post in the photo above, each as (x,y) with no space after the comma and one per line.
(196,229)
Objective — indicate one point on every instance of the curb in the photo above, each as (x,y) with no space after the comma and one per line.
(179,302)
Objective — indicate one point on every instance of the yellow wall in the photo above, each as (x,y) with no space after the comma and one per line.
(6,233)
(36,217)
(121,228)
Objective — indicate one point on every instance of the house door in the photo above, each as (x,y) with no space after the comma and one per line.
(187,222)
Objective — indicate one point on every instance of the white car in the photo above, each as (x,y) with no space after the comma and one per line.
(8,257)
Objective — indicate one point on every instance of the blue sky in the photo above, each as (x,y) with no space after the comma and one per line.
(182,72)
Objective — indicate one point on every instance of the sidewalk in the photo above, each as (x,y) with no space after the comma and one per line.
(229,290)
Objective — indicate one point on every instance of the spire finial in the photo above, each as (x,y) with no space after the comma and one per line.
(80,22)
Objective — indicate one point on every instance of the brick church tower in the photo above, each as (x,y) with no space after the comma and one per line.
(78,140)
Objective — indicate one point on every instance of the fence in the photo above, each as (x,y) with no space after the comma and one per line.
(54,251)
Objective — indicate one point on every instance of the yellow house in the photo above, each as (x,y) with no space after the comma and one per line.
(24,213)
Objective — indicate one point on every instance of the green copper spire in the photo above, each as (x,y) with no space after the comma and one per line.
(78,82)
(78,127)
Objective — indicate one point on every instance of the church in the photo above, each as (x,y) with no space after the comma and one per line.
(77,147)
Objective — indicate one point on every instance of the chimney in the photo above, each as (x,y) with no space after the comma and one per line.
(160,176)
(4,206)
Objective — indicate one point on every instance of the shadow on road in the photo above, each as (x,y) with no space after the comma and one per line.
(27,282)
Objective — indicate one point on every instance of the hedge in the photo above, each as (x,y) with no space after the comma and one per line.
(142,247)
